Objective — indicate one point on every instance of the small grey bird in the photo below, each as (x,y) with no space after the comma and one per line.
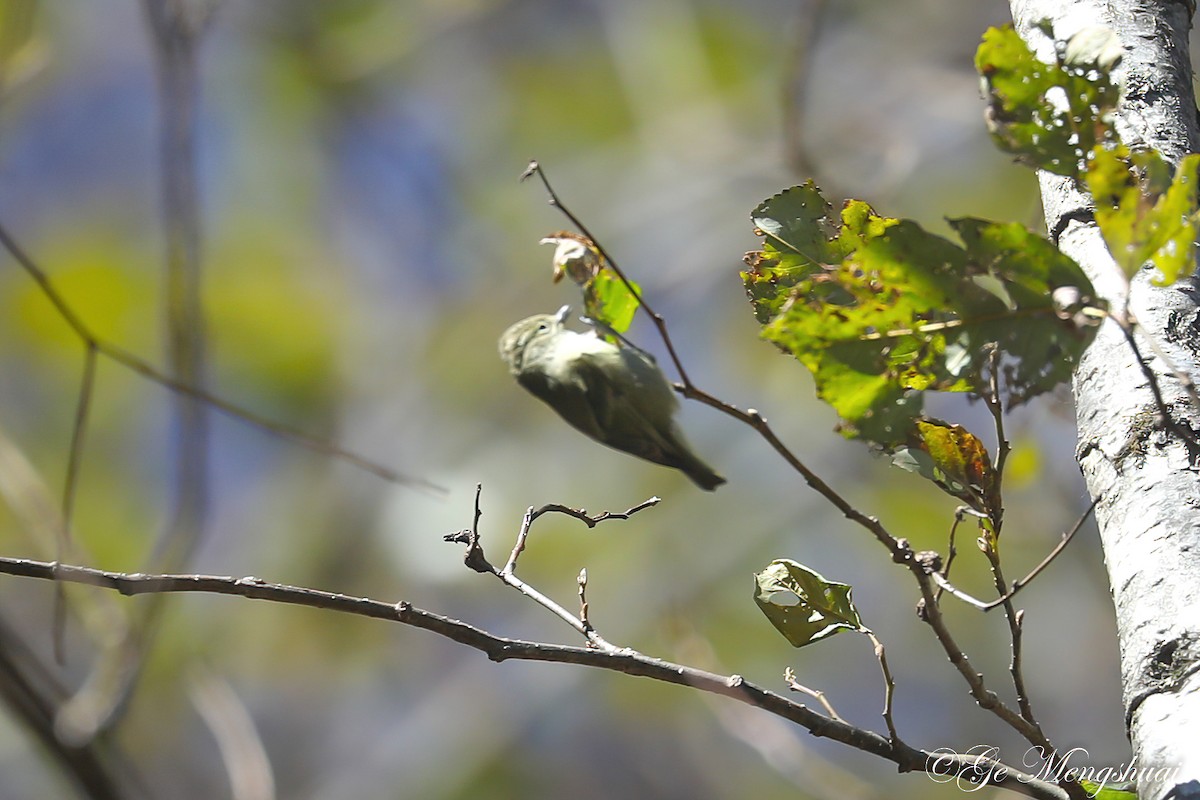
(616,395)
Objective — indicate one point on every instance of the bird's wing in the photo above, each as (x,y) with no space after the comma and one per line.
(570,396)
(620,415)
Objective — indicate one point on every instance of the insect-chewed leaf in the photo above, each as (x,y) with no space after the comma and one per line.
(1049,115)
(881,310)
(606,298)
(801,604)
(951,456)
(1145,212)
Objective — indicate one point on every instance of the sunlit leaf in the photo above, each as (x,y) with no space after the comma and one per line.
(881,310)
(951,456)
(1119,791)
(1049,115)
(1145,212)
(801,604)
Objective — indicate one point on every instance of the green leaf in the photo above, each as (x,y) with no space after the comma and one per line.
(1049,115)
(801,604)
(881,310)
(606,298)
(951,456)
(1145,212)
(1122,791)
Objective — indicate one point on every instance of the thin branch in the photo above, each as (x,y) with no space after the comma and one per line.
(1045,562)
(984,697)
(1128,324)
(951,551)
(991,535)
(70,486)
(789,677)
(1014,630)
(581,579)
(995,405)
(507,575)
(112,679)
(499,648)
(535,169)
(1018,585)
(176,28)
(78,434)
(232,410)
(592,521)
(945,586)
(889,684)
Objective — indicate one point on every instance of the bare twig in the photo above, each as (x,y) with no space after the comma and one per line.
(987,544)
(1128,325)
(583,603)
(951,550)
(114,676)
(991,534)
(507,575)
(176,27)
(984,697)
(592,521)
(78,434)
(580,514)
(1045,562)
(789,677)
(945,585)
(991,397)
(889,684)
(499,648)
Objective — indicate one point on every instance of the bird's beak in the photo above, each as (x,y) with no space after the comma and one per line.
(562,314)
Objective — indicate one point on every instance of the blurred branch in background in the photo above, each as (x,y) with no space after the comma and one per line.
(93,344)
(797,80)
(176,27)
(35,697)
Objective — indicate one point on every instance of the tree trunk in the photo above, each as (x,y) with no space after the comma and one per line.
(1144,474)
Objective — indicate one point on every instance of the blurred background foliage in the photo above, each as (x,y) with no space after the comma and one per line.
(365,243)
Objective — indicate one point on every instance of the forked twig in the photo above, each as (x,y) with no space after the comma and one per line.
(507,574)
(789,677)
(987,605)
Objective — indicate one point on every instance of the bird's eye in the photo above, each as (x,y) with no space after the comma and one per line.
(543,326)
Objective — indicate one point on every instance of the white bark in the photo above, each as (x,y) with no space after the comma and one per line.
(1147,478)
